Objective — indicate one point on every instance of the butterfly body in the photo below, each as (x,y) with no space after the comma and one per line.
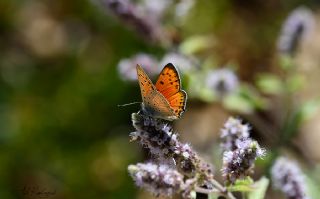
(165,99)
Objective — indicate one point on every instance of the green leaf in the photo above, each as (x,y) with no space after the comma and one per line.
(197,89)
(242,185)
(259,189)
(213,196)
(238,103)
(196,44)
(295,83)
(313,190)
(303,113)
(245,100)
(286,62)
(207,95)
(309,108)
(270,84)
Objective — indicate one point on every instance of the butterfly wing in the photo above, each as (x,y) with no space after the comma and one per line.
(154,103)
(168,82)
(169,85)
(178,102)
(146,85)
(157,106)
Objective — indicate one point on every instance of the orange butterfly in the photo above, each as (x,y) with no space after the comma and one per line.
(165,100)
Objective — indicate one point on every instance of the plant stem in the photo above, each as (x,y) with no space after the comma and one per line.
(219,189)
(206,191)
(244,195)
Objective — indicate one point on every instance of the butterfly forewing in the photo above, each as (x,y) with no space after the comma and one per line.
(146,86)
(168,84)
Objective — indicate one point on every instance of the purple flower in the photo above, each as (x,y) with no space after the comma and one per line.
(158,179)
(239,163)
(287,176)
(154,8)
(222,81)
(297,27)
(127,67)
(184,63)
(240,151)
(157,136)
(131,15)
(232,131)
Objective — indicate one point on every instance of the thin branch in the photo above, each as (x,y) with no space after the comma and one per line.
(219,189)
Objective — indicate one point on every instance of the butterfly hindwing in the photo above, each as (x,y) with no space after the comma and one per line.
(178,102)
(158,106)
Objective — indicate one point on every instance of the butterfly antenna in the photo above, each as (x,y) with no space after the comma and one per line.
(122,105)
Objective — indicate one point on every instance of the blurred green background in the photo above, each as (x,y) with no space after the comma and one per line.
(60,127)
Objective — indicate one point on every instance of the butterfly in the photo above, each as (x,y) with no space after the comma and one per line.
(165,99)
